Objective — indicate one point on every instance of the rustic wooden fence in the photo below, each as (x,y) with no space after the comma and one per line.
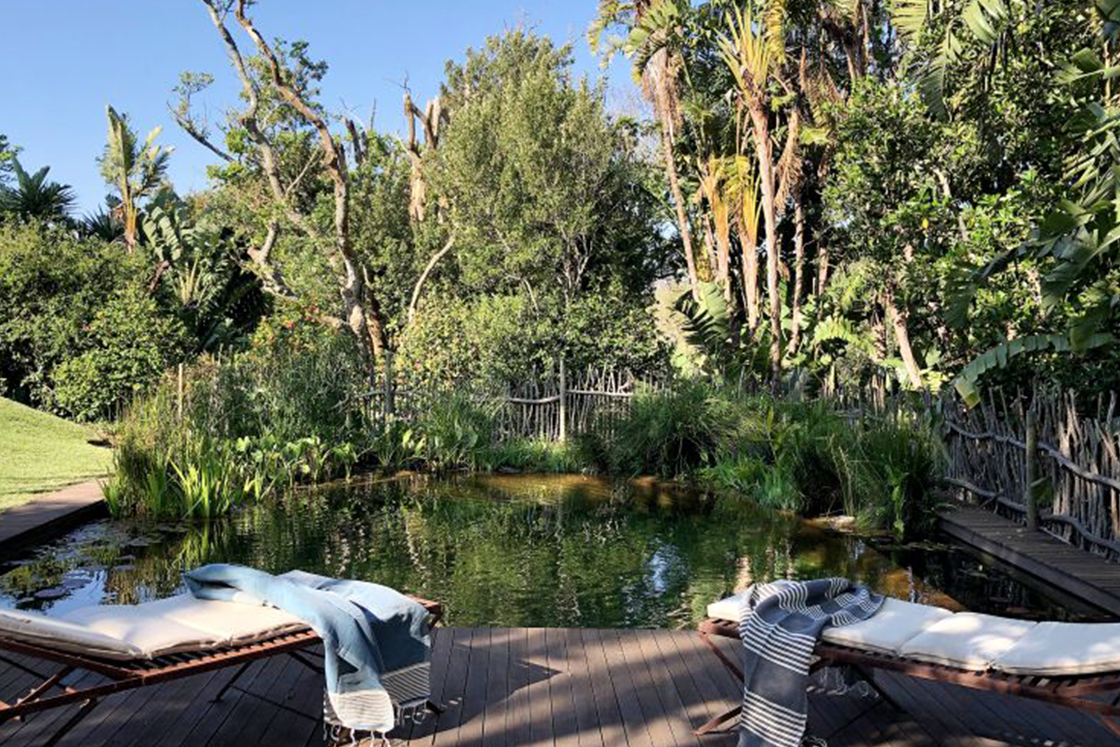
(1040,460)
(548,405)
(1037,459)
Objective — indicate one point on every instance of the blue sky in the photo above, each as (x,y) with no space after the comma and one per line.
(66,59)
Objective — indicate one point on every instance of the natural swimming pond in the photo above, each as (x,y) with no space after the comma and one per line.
(565,551)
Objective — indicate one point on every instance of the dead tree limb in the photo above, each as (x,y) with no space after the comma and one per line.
(362,311)
(416,290)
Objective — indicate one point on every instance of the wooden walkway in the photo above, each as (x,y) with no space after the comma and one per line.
(47,515)
(564,687)
(1077,572)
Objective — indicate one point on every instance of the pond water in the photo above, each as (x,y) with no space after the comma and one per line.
(566,551)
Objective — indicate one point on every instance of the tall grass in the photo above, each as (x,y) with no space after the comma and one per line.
(808,458)
(671,432)
(240,430)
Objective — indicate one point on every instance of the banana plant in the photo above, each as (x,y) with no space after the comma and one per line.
(1078,242)
(973,36)
(133,169)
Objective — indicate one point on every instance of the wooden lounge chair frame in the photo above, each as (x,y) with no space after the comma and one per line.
(134,673)
(1071,691)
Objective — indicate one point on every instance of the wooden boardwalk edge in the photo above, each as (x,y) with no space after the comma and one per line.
(43,517)
(1076,572)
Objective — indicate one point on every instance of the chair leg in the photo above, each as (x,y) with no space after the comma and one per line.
(713,725)
(73,721)
(869,678)
(731,666)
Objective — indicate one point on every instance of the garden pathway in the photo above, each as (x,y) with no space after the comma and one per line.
(45,515)
(515,687)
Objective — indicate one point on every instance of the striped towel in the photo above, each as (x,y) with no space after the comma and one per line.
(780,624)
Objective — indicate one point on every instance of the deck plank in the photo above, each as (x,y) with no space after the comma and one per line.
(445,728)
(553,687)
(537,690)
(598,681)
(562,705)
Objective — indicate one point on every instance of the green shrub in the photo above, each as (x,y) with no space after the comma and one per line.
(887,474)
(672,432)
(454,432)
(789,455)
(285,412)
(129,343)
(78,332)
(804,447)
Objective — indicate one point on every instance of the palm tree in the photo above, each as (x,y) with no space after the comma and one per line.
(101,225)
(755,52)
(652,44)
(32,196)
(134,170)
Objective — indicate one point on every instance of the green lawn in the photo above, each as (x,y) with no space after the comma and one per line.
(40,453)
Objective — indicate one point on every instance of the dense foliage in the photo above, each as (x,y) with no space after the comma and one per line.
(929,186)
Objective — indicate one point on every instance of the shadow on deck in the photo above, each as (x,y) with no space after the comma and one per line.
(515,686)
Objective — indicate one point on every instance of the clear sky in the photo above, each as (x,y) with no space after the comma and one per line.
(64,60)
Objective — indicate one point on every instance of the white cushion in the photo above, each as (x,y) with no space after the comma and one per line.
(1054,648)
(230,622)
(146,630)
(966,640)
(183,623)
(32,627)
(729,608)
(889,629)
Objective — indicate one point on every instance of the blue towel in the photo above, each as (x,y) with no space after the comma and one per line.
(376,645)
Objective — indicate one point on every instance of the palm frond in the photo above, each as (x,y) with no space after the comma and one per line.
(909,18)
(34,197)
(1000,356)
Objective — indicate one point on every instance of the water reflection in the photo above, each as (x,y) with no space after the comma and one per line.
(566,551)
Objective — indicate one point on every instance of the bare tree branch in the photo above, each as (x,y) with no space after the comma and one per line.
(412,304)
(362,309)
(198,133)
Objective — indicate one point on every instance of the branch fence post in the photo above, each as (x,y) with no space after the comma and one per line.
(563,402)
(1030,499)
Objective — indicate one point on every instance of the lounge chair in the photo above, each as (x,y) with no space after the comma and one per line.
(139,645)
(1061,663)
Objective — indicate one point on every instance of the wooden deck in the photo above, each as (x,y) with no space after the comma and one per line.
(1076,572)
(47,515)
(563,687)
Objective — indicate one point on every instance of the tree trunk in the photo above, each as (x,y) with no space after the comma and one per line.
(761,129)
(709,269)
(678,201)
(723,252)
(822,270)
(361,310)
(798,271)
(750,279)
(902,337)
